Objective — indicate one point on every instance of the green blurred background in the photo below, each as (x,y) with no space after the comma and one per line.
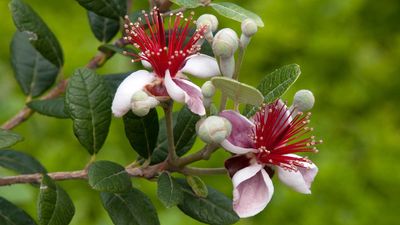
(349,53)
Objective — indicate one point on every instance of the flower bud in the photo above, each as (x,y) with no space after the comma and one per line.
(207,19)
(213,129)
(208,89)
(225,43)
(249,27)
(303,100)
(141,103)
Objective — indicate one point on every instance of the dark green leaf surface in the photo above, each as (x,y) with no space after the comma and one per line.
(113,81)
(20,162)
(216,208)
(142,132)
(54,205)
(235,12)
(275,84)
(50,107)
(89,104)
(10,214)
(28,21)
(184,135)
(168,190)
(103,28)
(130,208)
(34,73)
(108,8)
(189,4)
(198,186)
(8,138)
(108,177)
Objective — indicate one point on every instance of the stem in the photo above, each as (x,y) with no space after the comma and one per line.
(239,61)
(172,157)
(203,171)
(203,154)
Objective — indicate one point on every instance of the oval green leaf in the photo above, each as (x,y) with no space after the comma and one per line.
(50,107)
(133,208)
(28,21)
(108,177)
(9,138)
(198,186)
(275,84)
(168,190)
(103,28)
(142,132)
(34,73)
(88,102)
(10,214)
(235,12)
(108,8)
(20,162)
(237,91)
(54,205)
(189,4)
(216,208)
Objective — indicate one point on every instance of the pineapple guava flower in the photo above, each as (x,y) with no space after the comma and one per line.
(169,53)
(265,144)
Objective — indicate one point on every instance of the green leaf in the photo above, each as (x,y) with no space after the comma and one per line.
(28,21)
(189,4)
(50,107)
(8,138)
(108,8)
(34,73)
(168,190)
(103,28)
(184,135)
(109,177)
(113,81)
(54,205)
(275,84)
(110,48)
(216,208)
(130,208)
(142,132)
(238,92)
(235,12)
(198,186)
(89,104)
(10,214)
(20,162)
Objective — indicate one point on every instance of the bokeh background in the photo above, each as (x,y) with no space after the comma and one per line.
(349,53)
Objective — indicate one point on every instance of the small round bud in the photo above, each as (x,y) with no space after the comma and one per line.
(225,43)
(249,27)
(213,129)
(303,100)
(141,103)
(209,20)
(208,89)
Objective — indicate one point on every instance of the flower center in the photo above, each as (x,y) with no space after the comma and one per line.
(278,133)
(164,50)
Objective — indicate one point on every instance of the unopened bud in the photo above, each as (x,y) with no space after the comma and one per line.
(249,27)
(303,100)
(213,129)
(208,89)
(141,103)
(225,43)
(207,19)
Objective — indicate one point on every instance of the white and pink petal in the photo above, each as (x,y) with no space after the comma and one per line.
(201,65)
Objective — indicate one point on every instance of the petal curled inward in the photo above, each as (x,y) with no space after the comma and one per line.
(252,192)
(201,66)
(130,85)
(185,92)
(299,180)
(238,141)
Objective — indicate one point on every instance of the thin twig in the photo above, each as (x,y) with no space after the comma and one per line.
(172,157)
(203,154)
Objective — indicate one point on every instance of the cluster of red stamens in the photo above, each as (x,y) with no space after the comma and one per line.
(279,132)
(152,45)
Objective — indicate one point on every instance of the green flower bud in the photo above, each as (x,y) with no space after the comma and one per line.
(141,103)
(225,43)
(249,27)
(208,89)
(303,100)
(207,19)
(213,129)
